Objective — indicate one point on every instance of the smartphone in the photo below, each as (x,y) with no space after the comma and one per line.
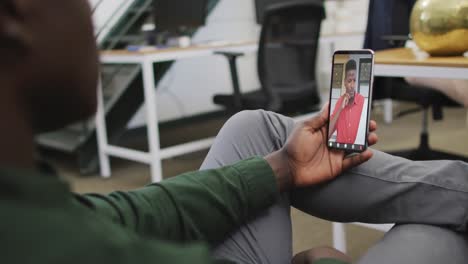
(350,100)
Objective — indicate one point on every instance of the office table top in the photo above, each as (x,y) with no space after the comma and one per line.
(198,47)
(405,56)
(204,46)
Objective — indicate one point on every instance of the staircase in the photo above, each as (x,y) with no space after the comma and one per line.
(118,24)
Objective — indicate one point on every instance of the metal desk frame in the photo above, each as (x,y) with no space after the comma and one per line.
(146,60)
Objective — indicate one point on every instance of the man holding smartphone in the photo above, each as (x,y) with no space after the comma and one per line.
(237,209)
(347,114)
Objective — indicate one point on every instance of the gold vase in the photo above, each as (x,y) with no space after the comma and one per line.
(440,27)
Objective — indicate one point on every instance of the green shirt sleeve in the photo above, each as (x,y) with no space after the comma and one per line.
(196,206)
(329,261)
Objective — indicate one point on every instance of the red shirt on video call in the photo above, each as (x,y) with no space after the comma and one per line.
(348,123)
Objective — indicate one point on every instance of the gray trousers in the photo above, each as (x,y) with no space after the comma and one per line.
(428,199)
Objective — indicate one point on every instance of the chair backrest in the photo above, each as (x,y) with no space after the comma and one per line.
(387,18)
(288,44)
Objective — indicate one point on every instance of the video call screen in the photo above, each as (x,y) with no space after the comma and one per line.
(349,102)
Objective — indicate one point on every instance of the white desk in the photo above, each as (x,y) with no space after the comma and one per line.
(402,62)
(146,59)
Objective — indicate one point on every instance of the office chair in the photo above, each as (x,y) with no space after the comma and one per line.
(384,34)
(286,61)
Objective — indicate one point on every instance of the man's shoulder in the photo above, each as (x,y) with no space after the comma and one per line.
(360,98)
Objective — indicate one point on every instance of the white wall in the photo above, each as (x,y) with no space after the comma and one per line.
(189,86)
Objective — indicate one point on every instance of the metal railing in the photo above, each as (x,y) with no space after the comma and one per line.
(111,20)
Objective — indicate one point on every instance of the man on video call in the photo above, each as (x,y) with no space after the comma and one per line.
(347,114)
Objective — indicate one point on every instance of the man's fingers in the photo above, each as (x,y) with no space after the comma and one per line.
(346,97)
(318,121)
(325,110)
(372,126)
(372,139)
(356,160)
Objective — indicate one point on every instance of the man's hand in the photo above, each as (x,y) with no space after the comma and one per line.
(345,101)
(306,160)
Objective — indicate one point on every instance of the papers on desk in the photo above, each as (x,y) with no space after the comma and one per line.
(138,48)
(206,44)
(214,43)
(217,43)
(418,53)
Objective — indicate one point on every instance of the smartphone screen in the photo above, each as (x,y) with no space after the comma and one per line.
(350,100)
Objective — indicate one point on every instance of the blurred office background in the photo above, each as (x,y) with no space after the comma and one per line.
(186,110)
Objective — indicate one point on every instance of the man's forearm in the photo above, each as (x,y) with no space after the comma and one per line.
(186,207)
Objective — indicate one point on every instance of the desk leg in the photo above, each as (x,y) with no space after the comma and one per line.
(101,131)
(152,121)
(339,236)
(388,110)
(467,119)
